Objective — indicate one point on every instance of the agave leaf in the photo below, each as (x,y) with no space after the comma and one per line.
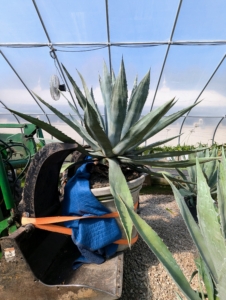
(47,141)
(208,221)
(150,146)
(118,107)
(179,296)
(205,153)
(76,126)
(49,128)
(96,131)
(84,134)
(141,128)
(91,101)
(96,153)
(221,287)
(162,154)
(74,108)
(97,108)
(210,169)
(184,177)
(106,90)
(106,86)
(75,111)
(159,174)
(193,275)
(192,170)
(132,93)
(120,190)
(92,95)
(194,230)
(79,95)
(192,173)
(186,193)
(76,122)
(162,164)
(205,274)
(164,122)
(161,251)
(181,173)
(221,192)
(113,79)
(66,166)
(138,99)
(212,182)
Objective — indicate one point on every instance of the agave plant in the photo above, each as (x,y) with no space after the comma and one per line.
(210,235)
(209,170)
(115,139)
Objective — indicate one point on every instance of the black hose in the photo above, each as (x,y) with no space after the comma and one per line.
(6,161)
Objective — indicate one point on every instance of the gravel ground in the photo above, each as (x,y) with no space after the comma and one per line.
(144,277)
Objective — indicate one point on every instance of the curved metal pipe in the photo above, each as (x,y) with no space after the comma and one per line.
(201,93)
(218,124)
(167,51)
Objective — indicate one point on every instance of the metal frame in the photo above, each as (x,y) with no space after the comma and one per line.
(51,47)
(23,84)
(167,52)
(208,81)
(215,131)
(109,44)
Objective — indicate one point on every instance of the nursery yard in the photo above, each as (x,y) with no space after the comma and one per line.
(144,277)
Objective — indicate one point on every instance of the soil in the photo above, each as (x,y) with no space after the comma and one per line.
(99,175)
(99,172)
(144,277)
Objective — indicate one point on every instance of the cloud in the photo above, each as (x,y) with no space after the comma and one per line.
(211,98)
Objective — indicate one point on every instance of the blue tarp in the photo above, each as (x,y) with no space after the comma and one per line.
(93,237)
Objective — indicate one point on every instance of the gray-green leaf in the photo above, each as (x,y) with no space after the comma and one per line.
(118,107)
(96,131)
(120,191)
(139,97)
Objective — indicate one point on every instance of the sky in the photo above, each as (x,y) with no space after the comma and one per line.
(187,68)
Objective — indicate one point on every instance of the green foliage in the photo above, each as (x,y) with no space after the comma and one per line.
(173,148)
(209,170)
(209,236)
(116,139)
(184,147)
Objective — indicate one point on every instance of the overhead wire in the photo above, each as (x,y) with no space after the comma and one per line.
(84,50)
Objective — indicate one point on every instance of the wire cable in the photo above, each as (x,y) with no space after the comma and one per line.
(84,50)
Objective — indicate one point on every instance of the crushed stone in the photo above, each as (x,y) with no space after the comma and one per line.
(144,277)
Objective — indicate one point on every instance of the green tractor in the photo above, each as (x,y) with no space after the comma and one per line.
(16,152)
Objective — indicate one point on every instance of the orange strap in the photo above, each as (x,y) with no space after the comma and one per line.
(46,223)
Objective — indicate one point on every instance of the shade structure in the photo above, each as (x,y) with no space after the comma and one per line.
(182,42)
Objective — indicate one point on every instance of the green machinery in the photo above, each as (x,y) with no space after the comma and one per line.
(39,262)
(16,151)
